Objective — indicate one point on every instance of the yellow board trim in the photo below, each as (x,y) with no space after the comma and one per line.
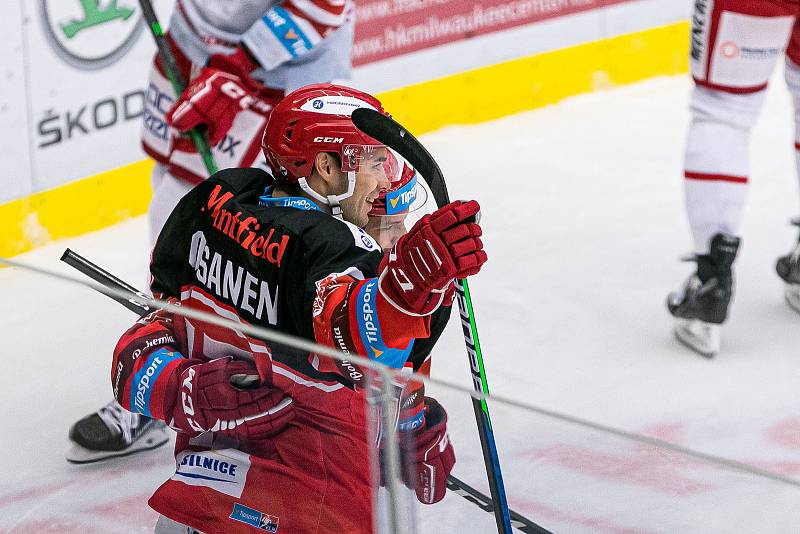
(466,98)
(504,89)
(75,208)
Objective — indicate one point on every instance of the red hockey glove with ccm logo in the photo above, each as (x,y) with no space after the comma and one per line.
(417,274)
(209,400)
(214,98)
(433,455)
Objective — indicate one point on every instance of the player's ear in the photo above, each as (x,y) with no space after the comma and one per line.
(327,166)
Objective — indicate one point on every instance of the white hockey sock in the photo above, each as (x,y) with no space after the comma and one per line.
(793,83)
(716,161)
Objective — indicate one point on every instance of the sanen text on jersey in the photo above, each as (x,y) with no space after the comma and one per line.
(232,282)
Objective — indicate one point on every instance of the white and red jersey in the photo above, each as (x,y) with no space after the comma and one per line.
(735,43)
(274,31)
(292,43)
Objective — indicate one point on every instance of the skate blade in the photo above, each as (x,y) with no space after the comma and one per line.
(153,438)
(792,294)
(701,337)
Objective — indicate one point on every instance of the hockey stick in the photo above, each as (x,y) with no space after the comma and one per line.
(389,132)
(100,275)
(176,79)
(103,277)
(485,503)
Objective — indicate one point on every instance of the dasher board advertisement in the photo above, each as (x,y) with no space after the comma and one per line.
(87,64)
(389,28)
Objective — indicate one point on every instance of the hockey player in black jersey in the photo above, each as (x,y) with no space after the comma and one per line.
(291,254)
(214,40)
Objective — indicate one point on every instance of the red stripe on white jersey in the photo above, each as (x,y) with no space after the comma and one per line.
(323,15)
(729,89)
(715,177)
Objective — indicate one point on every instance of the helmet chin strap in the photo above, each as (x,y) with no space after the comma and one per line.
(332,201)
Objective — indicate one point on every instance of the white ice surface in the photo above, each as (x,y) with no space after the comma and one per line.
(584,223)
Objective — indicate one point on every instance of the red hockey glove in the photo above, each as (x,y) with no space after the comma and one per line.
(433,455)
(208,400)
(418,272)
(214,98)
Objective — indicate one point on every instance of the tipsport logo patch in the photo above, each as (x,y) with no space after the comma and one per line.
(249,516)
(370,329)
(146,377)
(288,202)
(400,201)
(286,30)
(413,422)
(224,470)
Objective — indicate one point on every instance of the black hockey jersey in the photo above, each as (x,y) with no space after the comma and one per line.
(273,263)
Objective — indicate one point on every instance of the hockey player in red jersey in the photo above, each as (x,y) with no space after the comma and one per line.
(734,47)
(241,57)
(294,451)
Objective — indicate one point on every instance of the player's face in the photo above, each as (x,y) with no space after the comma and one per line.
(371,178)
(386,229)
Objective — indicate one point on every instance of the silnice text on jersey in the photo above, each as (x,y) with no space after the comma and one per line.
(245,231)
(212,464)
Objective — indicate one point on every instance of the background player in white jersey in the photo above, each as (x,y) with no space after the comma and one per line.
(242,56)
(735,45)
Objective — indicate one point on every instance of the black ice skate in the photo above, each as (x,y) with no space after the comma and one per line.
(111,432)
(702,304)
(788,268)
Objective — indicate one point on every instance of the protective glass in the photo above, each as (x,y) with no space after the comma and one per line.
(406,201)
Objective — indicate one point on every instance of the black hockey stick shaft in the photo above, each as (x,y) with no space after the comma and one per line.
(103,277)
(389,132)
(484,502)
(176,79)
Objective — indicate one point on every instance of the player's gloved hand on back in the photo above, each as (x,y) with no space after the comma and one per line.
(208,400)
(432,454)
(418,272)
(214,97)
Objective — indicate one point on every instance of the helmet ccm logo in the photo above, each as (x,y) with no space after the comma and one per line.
(329,139)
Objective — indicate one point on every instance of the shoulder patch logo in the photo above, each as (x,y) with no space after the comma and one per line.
(362,238)
(254,518)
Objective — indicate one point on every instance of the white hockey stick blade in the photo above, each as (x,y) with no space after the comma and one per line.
(701,337)
(792,293)
(154,437)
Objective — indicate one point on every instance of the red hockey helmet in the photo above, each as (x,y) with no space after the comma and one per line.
(314,119)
